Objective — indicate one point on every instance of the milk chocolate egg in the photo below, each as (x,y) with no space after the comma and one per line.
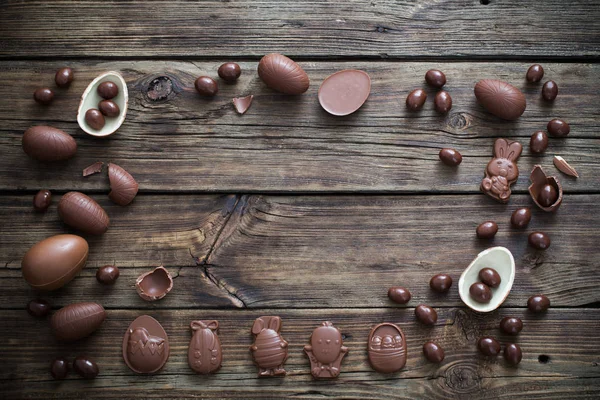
(53,262)
(45,143)
(500,98)
(283,74)
(205,353)
(145,345)
(77,321)
(82,212)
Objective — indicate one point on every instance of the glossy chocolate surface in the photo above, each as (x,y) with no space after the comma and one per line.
(538,142)
(387,348)
(399,294)
(59,368)
(538,303)
(344,92)
(563,166)
(107,90)
(325,351)
(547,195)
(541,194)
(442,102)
(440,283)
(550,91)
(480,292)
(535,73)
(206,86)
(145,345)
(488,346)
(76,321)
(520,218)
(85,367)
(513,354)
(95,119)
(435,78)
(450,157)
(416,99)
(282,74)
(42,200)
(83,213)
(43,96)
(229,72)
(425,314)
(109,108)
(64,77)
(38,308)
(539,240)
(107,274)
(490,277)
(511,325)
(500,98)
(487,230)
(502,171)
(154,285)
(558,128)
(242,104)
(433,352)
(45,143)
(269,350)
(205,353)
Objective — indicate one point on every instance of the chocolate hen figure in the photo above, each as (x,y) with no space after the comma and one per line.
(325,351)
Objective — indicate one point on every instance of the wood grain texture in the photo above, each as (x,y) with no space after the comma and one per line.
(288,143)
(464,373)
(307,251)
(309,28)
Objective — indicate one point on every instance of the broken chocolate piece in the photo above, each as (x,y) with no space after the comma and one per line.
(502,171)
(539,181)
(154,285)
(242,104)
(564,167)
(123,187)
(93,169)
(325,351)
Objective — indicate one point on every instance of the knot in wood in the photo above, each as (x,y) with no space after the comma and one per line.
(468,324)
(459,121)
(462,378)
(159,88)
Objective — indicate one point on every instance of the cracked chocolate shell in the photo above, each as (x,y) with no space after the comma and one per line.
(154,285)
(538,180)
(90,100)
(123,186)
(497,258)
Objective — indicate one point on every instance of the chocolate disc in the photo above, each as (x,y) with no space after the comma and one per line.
(344,92)
(387,348)
(325,351)
(145,345)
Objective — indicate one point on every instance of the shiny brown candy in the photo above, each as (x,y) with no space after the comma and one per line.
(38,308)
(535,73)
(440,283)
(550,91)
(450,157)
(442,102)
(520,218)
(59,368)
(43,96)
(64,77)
(558,128)
(94,118)
(399,294)
(123,186)
(109,108)
(480,292)
(206,86)
(539,240)
(416,99)
(487,230)
(547,196)
(426,314)
(435,78)
(538,303)
(490,277)
(42,200)
(488,346)
(229,72)
(107,274)
(433,352)
(107,90)
(538,142)
(513,354)
(500,98)
(511,325)
(85,367)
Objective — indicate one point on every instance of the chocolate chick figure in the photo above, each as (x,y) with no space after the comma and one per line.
(325,351)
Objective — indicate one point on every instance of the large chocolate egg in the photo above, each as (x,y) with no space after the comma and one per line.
(82,212)
(46,143)
(500,98)
(53,262)
(77,321)
(283,74)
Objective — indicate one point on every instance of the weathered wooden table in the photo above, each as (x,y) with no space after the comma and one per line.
(290,211)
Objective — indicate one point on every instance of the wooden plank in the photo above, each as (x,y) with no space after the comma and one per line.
(569,371)
(330,251)
(287,143)
(386,28)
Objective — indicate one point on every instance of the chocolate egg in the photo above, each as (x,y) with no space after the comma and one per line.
(77,321)
(53,262)
(45,143)
(500,98)
(145,345)
(123,186)
(82,212)
(283,74)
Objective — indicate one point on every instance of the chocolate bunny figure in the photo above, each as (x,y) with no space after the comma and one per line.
(205,353)
(502,171)
(269,349)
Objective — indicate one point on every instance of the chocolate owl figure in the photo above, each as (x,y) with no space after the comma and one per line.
(325,351)
(269,350)
(502,171)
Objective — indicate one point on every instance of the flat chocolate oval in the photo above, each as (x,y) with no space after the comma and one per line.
(205,353)
(123,187)
(344,92)
(500,98)
(83,213)
(325,351)
(145,345)
(46,143)
(77,321)
(387,348)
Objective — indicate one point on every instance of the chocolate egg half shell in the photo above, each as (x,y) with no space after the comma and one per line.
(77,321)
(154,285)
(145,345)
(45,143)
(539,181)
(123,187)
(500,98)
(387,348)
(283,74)
(55,261)
(344,92)
(497,258)
(83,213)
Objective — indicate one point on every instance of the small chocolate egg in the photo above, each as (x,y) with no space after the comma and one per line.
(480,292)
(426,314)
(399,294)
